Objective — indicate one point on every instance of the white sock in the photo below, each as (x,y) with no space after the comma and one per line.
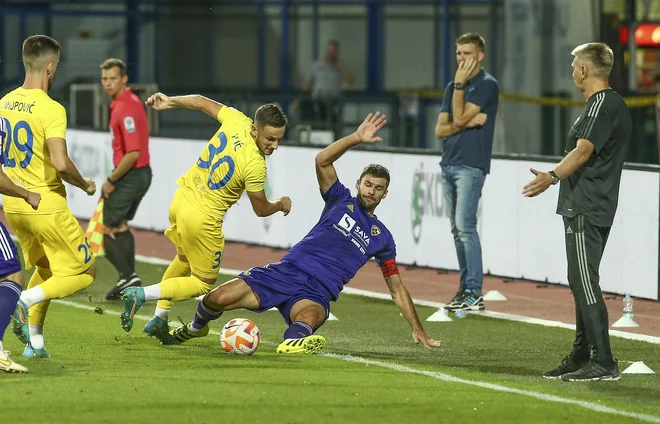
(37,336)
(162,313)
(33,296)
(151,292)
(1,348)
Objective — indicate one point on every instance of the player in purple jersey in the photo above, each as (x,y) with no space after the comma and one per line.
(11,273)
(313,273)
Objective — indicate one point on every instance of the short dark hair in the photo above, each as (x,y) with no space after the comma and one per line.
(473,38)
(37,46)
(378,171)
(334,42)
(270,114)
(600,55)
(112,63)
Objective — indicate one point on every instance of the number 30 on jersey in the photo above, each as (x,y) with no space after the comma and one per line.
(215,160)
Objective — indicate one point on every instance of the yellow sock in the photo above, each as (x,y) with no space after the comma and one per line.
(177,268)
(38,312)
(60,287)
(183,288)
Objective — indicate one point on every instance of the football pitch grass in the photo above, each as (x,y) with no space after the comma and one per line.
(371,371)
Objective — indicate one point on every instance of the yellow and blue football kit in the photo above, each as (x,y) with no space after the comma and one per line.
(51,230)
(230,163)
(50,237)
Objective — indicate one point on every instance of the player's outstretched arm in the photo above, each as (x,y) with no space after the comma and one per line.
(65,167)
(8,188)
(403,300)
(160,101)
(325,170)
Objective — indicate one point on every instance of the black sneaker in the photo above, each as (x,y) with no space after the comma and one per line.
(471,302)
(456,301)
(123,283)
(593,371)
(568,365)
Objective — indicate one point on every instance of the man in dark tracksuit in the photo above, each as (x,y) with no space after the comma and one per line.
(590,175)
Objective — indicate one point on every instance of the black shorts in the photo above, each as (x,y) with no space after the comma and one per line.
(123,202)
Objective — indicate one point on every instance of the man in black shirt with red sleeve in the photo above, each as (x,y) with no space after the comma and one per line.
(590,176)
(131,177)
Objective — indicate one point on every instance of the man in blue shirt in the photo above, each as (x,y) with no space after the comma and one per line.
(467,125)
(315,270)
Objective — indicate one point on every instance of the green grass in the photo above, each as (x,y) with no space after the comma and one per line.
(101,374)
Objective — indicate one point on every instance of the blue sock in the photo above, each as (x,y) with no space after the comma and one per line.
(204,314)
(298,330)
(10,292)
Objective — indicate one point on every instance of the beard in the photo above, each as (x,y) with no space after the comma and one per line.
(367,207)
(50,82)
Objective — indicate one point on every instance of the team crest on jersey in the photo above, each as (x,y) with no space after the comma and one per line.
(374,231)
(350,208)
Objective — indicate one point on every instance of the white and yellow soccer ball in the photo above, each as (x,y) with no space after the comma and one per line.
(240,336)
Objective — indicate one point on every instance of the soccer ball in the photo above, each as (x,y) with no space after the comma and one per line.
(240,336)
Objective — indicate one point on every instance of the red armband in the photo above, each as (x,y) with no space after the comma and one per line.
(389,268)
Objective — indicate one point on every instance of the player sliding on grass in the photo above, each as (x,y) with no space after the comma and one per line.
(314,271)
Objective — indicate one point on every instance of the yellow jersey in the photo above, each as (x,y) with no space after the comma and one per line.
(32,117)
(230,163)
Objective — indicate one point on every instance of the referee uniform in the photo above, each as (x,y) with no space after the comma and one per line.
(130,132)
(587,202)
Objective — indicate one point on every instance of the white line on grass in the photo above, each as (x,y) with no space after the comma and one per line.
(491,314)
(541,396)
(437,375)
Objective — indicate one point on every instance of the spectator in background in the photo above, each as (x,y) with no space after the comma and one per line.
(325,82)
(467,125)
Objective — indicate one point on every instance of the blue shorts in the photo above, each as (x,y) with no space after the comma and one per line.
(281,284)
(9,263)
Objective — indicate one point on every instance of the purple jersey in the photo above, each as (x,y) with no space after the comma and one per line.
(343,240)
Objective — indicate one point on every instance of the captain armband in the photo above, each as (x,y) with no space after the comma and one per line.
(389,268)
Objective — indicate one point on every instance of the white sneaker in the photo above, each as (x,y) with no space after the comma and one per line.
(7,365)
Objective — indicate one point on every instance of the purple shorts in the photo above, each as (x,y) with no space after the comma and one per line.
(281,284)
(9,263)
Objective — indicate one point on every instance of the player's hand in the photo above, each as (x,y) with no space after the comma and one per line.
(369,127)
(286,205)
(478,121)
(107,188)
(159,101)
(465,70)
(421,336)
(90,188)
(33,199)
(538,185)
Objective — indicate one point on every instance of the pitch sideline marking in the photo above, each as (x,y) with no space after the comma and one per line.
(437,375)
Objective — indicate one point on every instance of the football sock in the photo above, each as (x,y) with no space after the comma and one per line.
(126,243)
(37,336)
(10,292)
(114,253)
(56,288)
(183,288)
(162,313)
(177,268)
(298,330)
(203,315)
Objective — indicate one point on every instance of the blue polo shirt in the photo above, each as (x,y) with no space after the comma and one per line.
(473,146)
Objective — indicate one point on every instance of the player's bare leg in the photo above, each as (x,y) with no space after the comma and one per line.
(306,316)
(234,294)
